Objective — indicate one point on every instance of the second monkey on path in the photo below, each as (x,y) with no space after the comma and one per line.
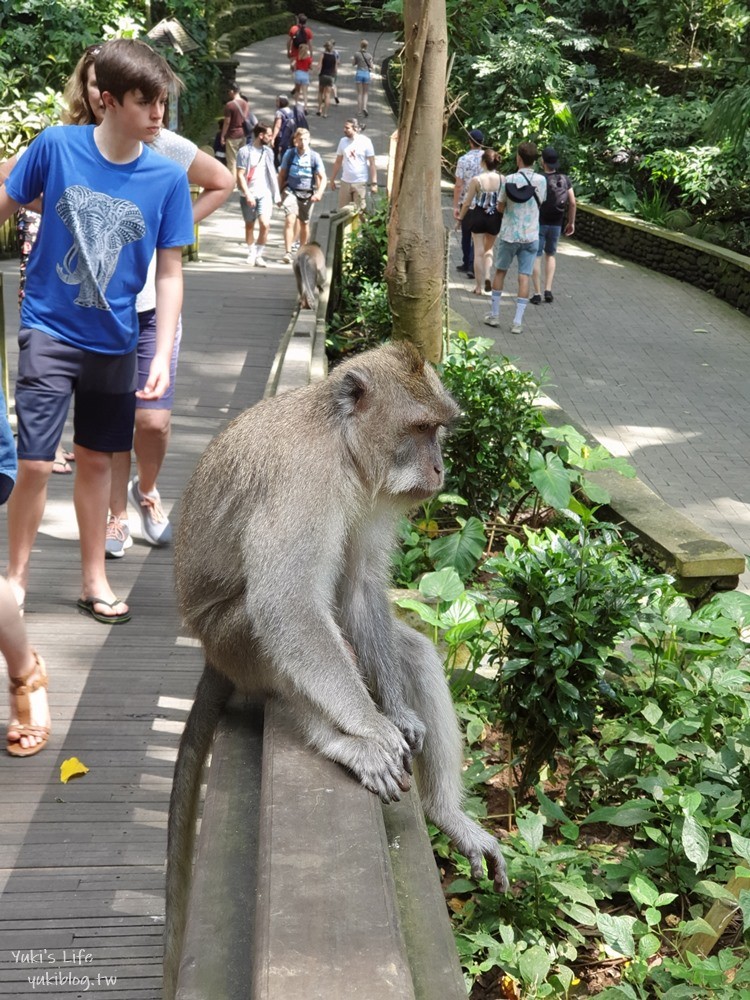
(310,272)
(283,567)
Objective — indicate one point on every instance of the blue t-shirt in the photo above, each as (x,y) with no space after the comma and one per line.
(301,170)
(100,226)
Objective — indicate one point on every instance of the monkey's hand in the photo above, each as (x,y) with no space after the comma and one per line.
(411,726)
(488,849)
(383,763)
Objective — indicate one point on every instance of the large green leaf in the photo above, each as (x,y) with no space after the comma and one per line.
(461,549)
(695,843)
(551,478)
(445,585)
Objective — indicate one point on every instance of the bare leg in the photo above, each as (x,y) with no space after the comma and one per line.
(250,234)
(91,498)
(489,246)
(21,662)
(365,91)
(550,262)
(152,428)
(25,511)
(536,275)
(304,232)
(523,286)
(290,222)
(479,262)
(118,494)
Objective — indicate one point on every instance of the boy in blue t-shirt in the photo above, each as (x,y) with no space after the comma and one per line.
(109,202)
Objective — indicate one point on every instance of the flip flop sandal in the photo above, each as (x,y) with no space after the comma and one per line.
(61,468)
(21,688)
(86,607)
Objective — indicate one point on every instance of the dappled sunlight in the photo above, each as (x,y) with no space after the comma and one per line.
(632,437)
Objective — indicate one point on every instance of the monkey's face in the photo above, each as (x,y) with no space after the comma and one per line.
(416,471)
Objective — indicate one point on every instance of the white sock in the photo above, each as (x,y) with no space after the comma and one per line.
(520,310)
(495,302)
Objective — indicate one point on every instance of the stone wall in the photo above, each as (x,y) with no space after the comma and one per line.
(714,269)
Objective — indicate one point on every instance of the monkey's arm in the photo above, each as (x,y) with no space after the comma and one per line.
(310,659)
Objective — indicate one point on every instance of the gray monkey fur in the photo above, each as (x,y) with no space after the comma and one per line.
(310,272)
(282,563)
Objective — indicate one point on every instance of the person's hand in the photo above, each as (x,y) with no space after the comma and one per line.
(316,197)
(570,229)
(157,382)
(250,200)
(332,184)
(455,212)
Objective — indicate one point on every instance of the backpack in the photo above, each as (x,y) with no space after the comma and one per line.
(553,207)
(249,121)
(287,130)
(299,37)
(300,118)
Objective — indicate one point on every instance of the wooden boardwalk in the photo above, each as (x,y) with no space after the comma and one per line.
(82,864)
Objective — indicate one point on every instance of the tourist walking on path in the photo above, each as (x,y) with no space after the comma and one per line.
(232,136)
(326,77)
(355,158)
(259,191)
(521,195)
(78,335)
(152,417)
(302,181)
(363,66)
(560,200)
(467,166)
(299,35)
(483,219)
(302,67)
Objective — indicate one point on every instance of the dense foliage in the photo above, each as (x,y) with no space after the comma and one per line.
(41,41)
(661,130)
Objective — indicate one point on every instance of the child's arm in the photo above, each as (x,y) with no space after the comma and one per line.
(168,306)
(7,205)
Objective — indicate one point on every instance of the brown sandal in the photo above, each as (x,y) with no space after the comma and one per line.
(21,688)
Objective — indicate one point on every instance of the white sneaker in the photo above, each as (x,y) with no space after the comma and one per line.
(295,245)
(490,320)
(516,328)
(252,257)
(118,538)
(259,262)
(286,259)
(155,526)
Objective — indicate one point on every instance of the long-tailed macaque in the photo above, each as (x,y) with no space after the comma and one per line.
(282,564)
(310,272)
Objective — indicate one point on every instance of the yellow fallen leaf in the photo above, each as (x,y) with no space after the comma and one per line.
(72,768)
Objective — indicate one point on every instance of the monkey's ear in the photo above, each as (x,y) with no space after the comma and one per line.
(352,394)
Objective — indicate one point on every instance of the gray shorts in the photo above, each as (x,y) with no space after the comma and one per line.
(146,351)
(301,206)
(50,372)
(260,210)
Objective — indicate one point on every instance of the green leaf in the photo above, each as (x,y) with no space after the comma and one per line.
(461,549)
(445,585)
(695,843)
(553,481)
(714,891)
(648,946)
(531,828)
(744,901)
(627,814)
(617,933)
(425,611)
(460,885)
(740,845)
(534,964)
(643,890)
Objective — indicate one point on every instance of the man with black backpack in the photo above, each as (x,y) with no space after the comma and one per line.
(560,197)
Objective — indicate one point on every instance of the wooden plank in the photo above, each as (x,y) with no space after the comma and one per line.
(217,954)
(327,921)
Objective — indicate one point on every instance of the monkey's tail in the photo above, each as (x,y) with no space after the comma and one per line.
(211,696)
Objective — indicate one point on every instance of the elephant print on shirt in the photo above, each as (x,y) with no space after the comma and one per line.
(100,226)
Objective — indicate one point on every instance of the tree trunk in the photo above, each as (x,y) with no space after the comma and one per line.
(416,232)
